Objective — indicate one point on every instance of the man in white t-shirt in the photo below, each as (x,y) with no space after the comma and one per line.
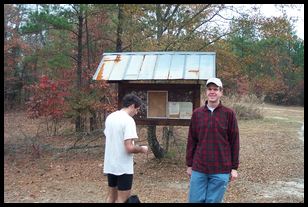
(120,132)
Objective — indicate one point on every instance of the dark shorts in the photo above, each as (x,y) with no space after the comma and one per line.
(123,182)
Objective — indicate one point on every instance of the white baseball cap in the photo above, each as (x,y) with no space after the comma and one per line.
(216,81)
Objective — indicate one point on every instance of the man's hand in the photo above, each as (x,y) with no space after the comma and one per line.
(233,175)
(144,149)
(188,171)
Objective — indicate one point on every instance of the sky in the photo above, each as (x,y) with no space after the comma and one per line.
(293,12)
(297,12)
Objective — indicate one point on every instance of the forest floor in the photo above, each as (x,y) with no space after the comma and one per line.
(45,169)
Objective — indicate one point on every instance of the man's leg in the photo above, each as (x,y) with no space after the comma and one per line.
(217,187)
(125,183)
(197,187)
(123,195)
(112,195)
(112,188)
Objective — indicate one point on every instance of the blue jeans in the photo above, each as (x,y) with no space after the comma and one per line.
(207,188)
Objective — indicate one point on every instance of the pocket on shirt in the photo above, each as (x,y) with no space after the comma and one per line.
(222,128)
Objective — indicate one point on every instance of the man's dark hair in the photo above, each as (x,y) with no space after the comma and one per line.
(130,99)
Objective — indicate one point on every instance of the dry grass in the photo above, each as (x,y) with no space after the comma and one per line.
(271,152)
(247,107)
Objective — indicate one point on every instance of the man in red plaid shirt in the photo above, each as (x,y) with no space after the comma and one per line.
(212,153)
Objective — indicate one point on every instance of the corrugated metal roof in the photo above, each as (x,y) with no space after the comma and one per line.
(156,66)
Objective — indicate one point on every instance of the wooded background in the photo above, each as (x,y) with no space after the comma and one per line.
(51,52)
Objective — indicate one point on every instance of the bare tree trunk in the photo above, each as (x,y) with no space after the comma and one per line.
(93,115)
(120,28)
(157,150)
(93,121)
(88,42)
(159,21)
(78,121)
(167,134)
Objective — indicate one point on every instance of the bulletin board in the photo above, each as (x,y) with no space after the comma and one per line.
(157,104)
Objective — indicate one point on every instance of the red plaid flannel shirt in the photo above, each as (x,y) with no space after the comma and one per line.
(213,140)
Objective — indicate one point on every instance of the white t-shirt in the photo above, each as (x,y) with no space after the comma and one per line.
(210,108)
(119,126)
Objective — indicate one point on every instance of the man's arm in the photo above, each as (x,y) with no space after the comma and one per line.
(234,142)
(191,143)
(132,148)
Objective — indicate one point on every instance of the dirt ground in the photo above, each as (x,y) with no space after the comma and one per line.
(40,169)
